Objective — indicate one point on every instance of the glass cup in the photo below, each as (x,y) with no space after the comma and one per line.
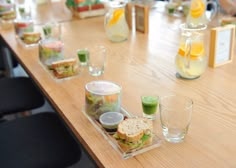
(175,116)
(24,10)
(52,30)
(97,58)
(150,106)
(83,56)
(186,7)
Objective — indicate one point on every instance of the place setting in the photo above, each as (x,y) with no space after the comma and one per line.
(131,134)
(64,65)
(103,109)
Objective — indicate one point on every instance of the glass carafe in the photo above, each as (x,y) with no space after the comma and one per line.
(191,59)
(197,16)
(115,23)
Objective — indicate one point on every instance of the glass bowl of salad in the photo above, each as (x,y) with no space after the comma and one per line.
(102,96)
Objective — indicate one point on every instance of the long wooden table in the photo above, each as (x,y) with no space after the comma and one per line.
(144,64)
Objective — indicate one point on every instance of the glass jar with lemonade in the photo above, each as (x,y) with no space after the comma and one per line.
(197,14)
(191,59)
(115,23)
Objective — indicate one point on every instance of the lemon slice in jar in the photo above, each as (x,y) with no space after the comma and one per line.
(197,50)
(117,14)
(197,8)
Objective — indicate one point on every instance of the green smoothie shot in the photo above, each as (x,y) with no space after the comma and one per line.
(83,56)
(150,106)
(47,30)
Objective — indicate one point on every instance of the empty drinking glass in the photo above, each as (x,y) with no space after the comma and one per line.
(97,59)
(52,30)
(175,115)
(24,10)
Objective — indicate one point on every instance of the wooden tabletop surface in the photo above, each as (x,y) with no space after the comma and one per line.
(144,64)
(49,11)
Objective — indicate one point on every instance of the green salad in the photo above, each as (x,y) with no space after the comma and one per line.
(96,105)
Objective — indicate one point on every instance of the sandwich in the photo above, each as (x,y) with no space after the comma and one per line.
(8,15)
(64,68)
(134,133)
(228,20)
(31,37)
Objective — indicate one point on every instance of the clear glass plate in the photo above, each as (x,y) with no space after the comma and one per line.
(53,76)
(27,45)
(156,142)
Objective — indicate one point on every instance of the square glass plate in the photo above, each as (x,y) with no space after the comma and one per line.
(27,45)
(156,141)
(58,79)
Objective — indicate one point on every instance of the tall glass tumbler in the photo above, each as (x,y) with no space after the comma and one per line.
(52,30)
(175,116)
(97,59)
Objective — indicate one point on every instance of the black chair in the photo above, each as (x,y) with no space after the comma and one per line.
(3,65)
(34,141)
(19,94)
(37,141)
(7,60)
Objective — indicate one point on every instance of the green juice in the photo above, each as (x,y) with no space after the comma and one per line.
(149,104)
(83,56)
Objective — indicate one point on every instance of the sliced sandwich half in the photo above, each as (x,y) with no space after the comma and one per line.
(8,15)
(31,37)
(65,68)
(134,133)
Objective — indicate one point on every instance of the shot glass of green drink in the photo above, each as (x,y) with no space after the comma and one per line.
(83,56)
(150,105)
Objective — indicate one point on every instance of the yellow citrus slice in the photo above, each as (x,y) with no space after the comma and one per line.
(197,8)
(111,98)
(197,50)
(116,16)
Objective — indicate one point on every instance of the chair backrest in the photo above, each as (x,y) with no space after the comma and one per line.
(37,141)
(19,94)
(7,61)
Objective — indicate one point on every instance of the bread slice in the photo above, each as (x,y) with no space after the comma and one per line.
(228,20)
(65,68)
(127,147)
(134,133)
(8,15)
(31,37)
(133,129)
(65,62)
